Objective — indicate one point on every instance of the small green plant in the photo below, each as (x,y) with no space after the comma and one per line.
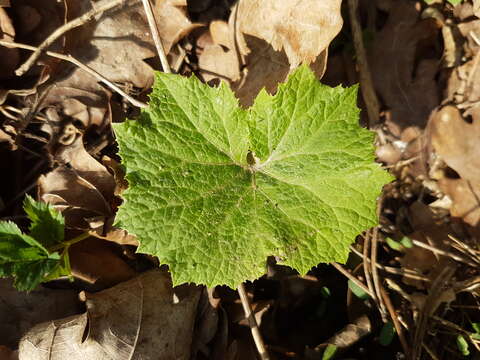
(387,333)
(462,345)
(39,256)
(214,189)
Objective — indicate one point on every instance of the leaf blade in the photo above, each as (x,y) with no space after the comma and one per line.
(197,202)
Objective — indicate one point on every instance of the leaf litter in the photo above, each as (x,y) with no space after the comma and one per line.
(423,58)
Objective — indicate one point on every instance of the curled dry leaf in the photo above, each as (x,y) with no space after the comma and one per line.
(16,309)
(303,29)
(224,51)
(135,319)
(98,263)
(9,58)
(457,141)
(172,21)
(82,188)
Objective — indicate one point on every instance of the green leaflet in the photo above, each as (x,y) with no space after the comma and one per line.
(46,223)
(26,257)
(214,189)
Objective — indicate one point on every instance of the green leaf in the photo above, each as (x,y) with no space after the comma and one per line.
(47,224)
(394,245)
(358,291)
(476,327)
(214,189)
(406,242)
(26,257)
(23,257)
(329,353)
(462,345)
(387,334)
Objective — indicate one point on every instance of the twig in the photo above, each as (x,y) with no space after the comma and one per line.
(444,253)
(396,322)
(431,304)
(98,8)
(367,268)
(408,273)
(352,278)
(366,83)
(376,279)
(84,67)
(156,36)
(257,337)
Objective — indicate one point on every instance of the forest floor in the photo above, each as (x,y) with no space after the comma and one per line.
(410,289)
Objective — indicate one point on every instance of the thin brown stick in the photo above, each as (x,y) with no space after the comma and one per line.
(257,337)
(396,322)
(366,83)
(352,278)
(367,269)
(156,36)
(376,278)
(444,253)
(431,304)
(98,8)
(84,67)
(408,273)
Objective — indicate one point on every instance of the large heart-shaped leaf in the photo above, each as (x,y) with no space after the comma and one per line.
(214,189)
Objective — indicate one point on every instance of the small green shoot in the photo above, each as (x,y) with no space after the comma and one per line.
(39,256)
(329,353)
(462,345)
(357,291)
(387,334)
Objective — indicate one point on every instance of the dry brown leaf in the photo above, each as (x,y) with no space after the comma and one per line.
(267,68)
(21,310)
(398,79)
(9,58)
(303,29)
(216,61)
(465,197)
(172,21)
(98,262)
(135,319)
(77,198)
(457,142)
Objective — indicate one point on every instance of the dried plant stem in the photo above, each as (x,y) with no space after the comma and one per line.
(156,36)
(376,278)
(408,273)
(257,337)
(367,266)
(82,66)
(444,253)
(396,322)
(98,8)
(366,83)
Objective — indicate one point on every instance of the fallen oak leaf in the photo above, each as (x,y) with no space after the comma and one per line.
(135,319)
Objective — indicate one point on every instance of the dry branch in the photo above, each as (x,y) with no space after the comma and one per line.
(82,66)
(98,8)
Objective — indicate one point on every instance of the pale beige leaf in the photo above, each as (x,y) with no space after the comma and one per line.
(303,28)
(136,319)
